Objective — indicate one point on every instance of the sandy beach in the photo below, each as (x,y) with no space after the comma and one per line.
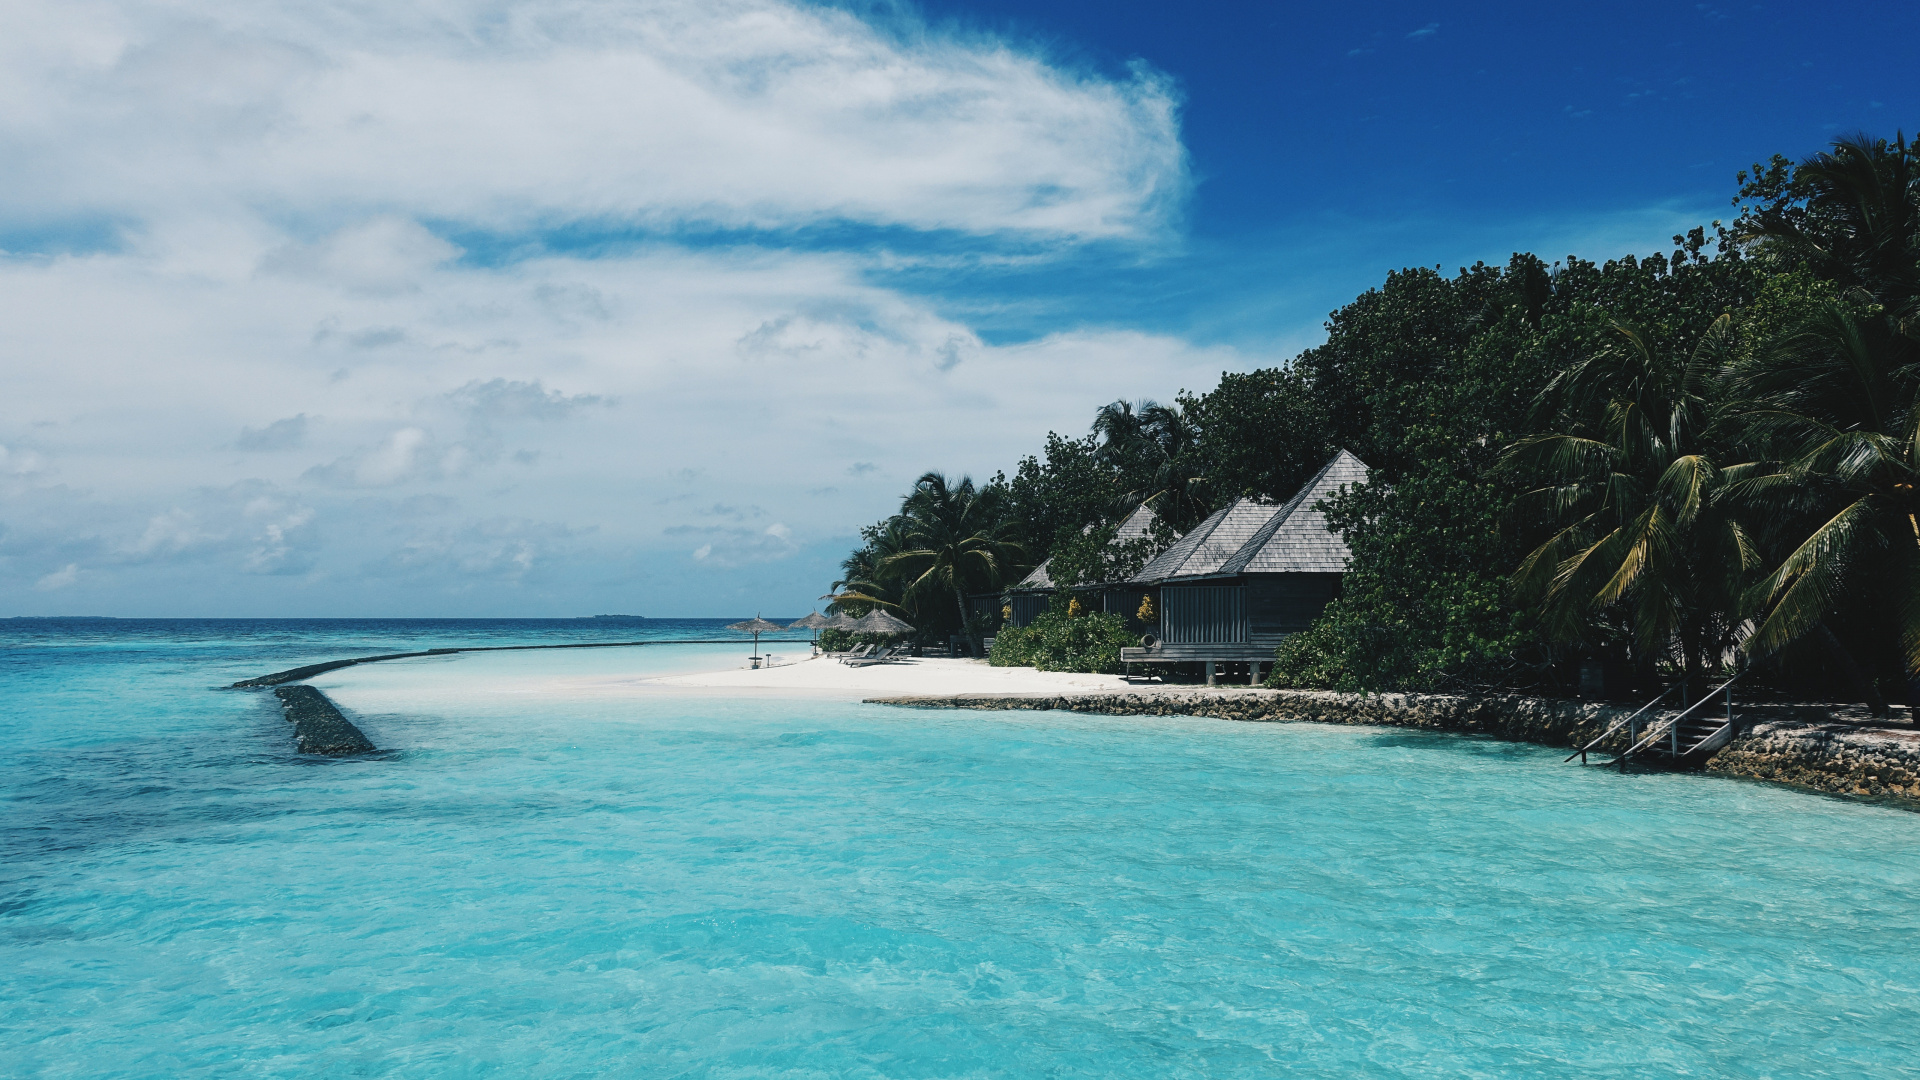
(914,675)
(608,676)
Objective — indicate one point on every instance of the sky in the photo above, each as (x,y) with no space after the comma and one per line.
(568,307)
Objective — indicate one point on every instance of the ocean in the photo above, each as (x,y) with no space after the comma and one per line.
(697,885)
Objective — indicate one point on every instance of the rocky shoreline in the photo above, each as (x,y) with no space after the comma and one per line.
(1837,750)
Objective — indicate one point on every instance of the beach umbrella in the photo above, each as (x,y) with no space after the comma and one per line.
(878,621)
(843,621)
(756,626)
(814,622)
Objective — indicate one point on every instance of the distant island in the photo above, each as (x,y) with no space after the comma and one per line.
(617,618)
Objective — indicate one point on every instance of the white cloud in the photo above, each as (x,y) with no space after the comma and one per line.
(171,533)
(379,255)
(20,462)
(496,408)
(283,434)
(731,546)
(516,115)
(59,579)
(415,422)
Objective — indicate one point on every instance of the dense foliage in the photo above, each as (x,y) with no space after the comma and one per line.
(1060,641)
(1682,462)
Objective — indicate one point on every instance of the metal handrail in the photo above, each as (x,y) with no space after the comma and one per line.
(1674,724)
(1615,726)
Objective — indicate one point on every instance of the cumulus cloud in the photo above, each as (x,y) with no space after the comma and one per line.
(756,113)
(493,550)
(380,255)
(508,399)
(18,462)
(350,212)
(285,434)
(730,546)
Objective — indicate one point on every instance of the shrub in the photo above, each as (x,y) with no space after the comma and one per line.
(844,640)
(1058,642)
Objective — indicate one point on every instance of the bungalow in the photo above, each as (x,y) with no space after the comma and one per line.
(1245,578)
(1030,596)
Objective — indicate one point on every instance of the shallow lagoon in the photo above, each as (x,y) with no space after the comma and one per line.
(706,886)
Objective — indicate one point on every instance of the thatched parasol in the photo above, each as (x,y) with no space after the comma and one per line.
(843,621)
(878,621)
(815,621)
(756,626)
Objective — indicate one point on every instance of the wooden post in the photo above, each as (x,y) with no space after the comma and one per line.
(1209,673)
(1253,673)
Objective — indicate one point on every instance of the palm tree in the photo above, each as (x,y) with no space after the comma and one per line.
(1155,448)
(1834,403)
(1839,400)
(1121,436)
(1852,215)
(1632,484)
(864,584)
(961,540)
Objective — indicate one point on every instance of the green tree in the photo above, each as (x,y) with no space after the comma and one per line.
(961,540)
(1154,450)
(1833,404)
(1425,602)
(864,583)
(1053,498)
(1839,400)
(1632,483)
(1851,215)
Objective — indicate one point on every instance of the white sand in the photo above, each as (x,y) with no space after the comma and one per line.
(614,677)
(926,676)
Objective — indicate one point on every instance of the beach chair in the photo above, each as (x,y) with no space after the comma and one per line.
(880,657)
(857,654)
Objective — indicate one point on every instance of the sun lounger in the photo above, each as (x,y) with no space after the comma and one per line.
(880,657)
(856,654)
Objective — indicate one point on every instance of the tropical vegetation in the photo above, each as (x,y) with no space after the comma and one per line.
(1687,462)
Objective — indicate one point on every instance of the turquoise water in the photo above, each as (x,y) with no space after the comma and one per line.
(682,885)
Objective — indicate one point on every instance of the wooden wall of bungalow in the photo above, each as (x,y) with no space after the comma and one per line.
(1258,610)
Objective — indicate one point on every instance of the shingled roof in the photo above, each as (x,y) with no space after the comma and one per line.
(1297,540)
(1137,524)
(1201,552)
(1249,536)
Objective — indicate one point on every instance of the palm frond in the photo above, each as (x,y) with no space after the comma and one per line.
(1811,579)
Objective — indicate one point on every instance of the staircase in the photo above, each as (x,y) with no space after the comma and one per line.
(1687,740)
(1684,744)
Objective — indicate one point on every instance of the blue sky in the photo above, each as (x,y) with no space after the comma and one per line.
(1333,142)
(538,308)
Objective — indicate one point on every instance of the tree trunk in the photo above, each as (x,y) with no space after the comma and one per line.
(966,628)
(1862,686)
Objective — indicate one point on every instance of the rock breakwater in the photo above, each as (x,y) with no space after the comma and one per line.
(318,727)
(1830,749)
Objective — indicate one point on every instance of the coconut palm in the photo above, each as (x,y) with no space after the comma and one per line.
(1851,215)
(960,541)
(1632,484)
(1838,401)
(1120,435)
(864,585)
(1155,448)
